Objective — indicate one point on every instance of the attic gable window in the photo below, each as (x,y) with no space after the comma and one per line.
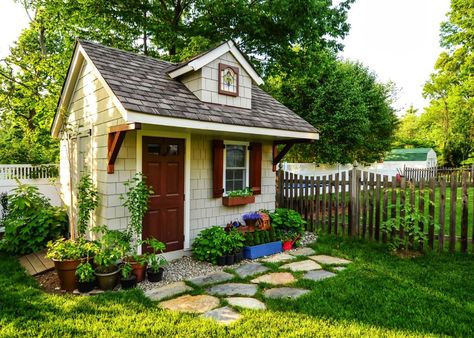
(228,80)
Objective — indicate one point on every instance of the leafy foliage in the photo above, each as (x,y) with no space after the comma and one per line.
(240,193)
(85,272)
(31,221)
(113,245)
(344,101)
(65,249)
(88,201)
(126,270)
(136,201)
(210,244)
(449,121)
(287,220)
(156,260)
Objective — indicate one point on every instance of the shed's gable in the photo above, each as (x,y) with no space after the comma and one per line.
(209,82)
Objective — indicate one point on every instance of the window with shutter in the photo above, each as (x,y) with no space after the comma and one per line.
(255,170)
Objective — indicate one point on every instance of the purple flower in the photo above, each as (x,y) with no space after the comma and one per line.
(251,216)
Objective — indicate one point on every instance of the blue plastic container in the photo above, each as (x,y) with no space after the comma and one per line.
(256,251)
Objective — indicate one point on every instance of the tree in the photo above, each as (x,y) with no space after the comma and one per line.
(345,102)
(412,131)
(32,76)
(450,89)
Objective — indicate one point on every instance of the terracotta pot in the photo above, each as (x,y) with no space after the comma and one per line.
(288,245)
(107,281)
(67,273)
(232,201)
(139,270)
(155,276)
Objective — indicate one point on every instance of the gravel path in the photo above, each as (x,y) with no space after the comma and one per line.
(187,267)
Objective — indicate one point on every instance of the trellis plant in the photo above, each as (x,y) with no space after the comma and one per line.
(88,200)
(136,201)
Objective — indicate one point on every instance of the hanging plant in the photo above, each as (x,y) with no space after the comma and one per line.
(88,200)
(136,201)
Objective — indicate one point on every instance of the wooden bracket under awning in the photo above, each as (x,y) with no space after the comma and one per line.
(115,140)
(277,157)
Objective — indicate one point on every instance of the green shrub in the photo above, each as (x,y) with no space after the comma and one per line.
(249,239)
(272,235)
(87,201)
(66,249)
(31,221)
(236,240)
(85,272)
(257,238)
(287,220)
(209,244)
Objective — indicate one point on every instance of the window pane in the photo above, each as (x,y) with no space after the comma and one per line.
(153,149)
(235,156)
(172,150)
(234,179)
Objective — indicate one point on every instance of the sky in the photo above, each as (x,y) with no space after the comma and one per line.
(397,39)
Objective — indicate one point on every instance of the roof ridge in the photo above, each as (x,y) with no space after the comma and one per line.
(81,41)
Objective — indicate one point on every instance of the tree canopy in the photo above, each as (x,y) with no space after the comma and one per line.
(292,43)
(449,119)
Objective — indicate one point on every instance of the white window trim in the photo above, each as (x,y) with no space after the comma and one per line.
(247,161)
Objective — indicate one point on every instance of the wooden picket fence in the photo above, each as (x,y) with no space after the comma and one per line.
(358,204)
(416,174)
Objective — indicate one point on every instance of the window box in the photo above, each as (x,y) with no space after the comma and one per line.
(238,200)
(256,251)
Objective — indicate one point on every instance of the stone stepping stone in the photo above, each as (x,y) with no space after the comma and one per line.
(306,265)
(223,315)
(193,304)
(289,293)
(246,302)
(318,275)
(250,269)
(232,289)
(302,252)
(217,277)
(275,278)
(167,291)
(339,268)
(281,257)
(329,260)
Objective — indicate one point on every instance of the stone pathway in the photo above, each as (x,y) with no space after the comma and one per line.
(217,277)
(329,260)
(223,315)
(281,257)
(318,275)
(289,293)
(193,304)
(250,269)
(246,302)
(167,291)
(275,278)
(232,289)
(239,295)
(306,265)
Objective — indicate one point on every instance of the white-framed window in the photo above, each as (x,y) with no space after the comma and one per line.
(236,165)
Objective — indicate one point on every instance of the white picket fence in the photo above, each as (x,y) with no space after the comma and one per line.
(44,177)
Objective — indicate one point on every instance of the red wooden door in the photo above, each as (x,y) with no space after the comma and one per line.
(163,165)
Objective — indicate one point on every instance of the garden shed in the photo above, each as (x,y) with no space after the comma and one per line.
(197,130)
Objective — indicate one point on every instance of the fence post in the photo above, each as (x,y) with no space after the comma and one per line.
(354,202)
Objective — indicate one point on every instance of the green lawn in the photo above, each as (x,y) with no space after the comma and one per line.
(378,295)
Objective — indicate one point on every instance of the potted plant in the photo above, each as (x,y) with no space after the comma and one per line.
(237,243)
(208,245)
(112,245)
(67,255)
(251,219)
(238,197)
(85,277)
(136,201)
(155,260)
(128,280)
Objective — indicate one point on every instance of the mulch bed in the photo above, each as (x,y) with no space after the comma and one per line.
(49,281)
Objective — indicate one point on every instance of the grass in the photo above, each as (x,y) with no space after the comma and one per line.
(378,295)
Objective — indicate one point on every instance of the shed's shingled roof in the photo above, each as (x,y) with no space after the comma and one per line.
(142,84)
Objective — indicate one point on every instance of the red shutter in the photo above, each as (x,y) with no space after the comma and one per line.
(217,168)
(255,171)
